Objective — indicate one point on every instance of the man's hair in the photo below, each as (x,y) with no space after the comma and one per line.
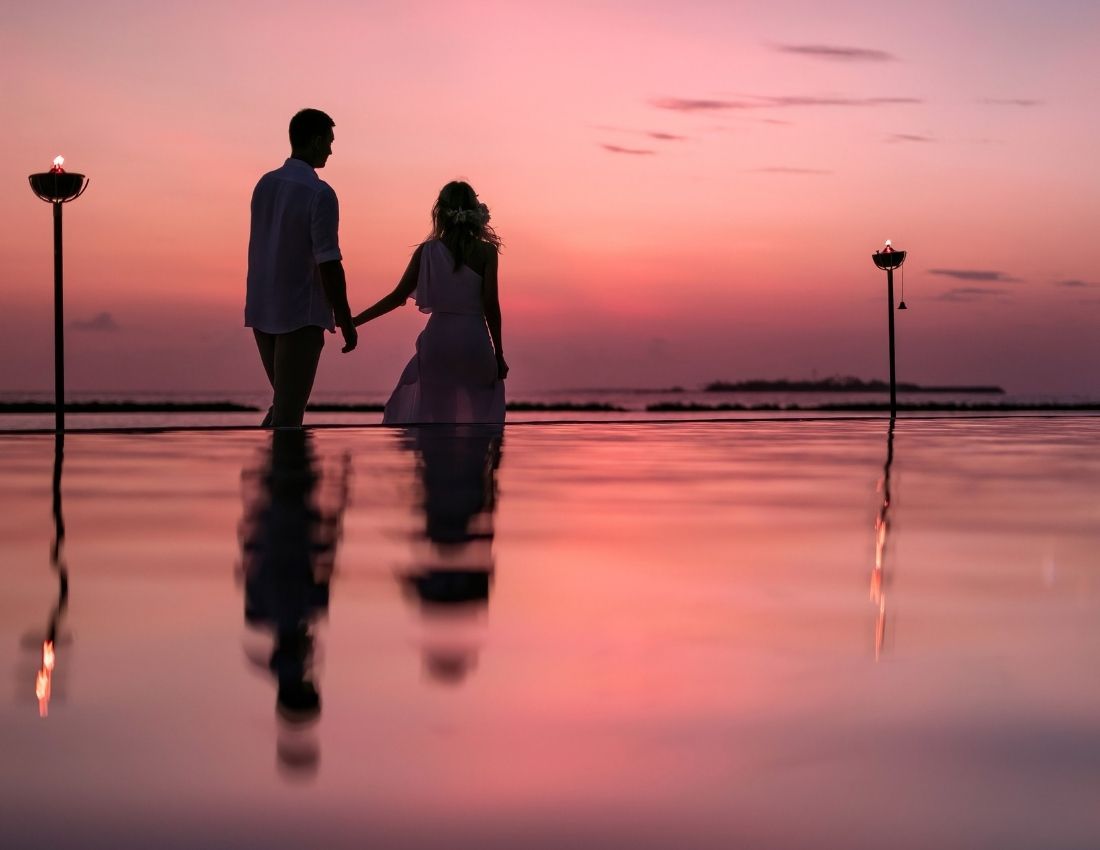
(307,125)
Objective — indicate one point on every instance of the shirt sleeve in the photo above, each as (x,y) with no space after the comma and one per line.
(324,224)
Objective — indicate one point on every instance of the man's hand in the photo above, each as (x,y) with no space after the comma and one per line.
(351,337)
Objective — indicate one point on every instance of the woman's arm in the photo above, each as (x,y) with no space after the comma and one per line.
(490,301)
(400,293)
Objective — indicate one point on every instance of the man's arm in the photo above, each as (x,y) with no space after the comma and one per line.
(336,291)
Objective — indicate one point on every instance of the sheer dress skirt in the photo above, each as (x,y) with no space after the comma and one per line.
(452,377)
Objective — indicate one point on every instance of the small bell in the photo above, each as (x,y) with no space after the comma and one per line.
(902,306)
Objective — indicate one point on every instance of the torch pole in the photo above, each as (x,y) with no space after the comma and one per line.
(59,324)
(890,321)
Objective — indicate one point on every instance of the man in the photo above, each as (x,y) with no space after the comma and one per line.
(296,284)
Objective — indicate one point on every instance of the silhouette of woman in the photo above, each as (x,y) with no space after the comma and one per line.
(458,370)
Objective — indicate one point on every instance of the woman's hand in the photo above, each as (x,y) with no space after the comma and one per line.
(502,368)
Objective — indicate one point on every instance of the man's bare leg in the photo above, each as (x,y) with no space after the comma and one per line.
(295,366)
(265,344)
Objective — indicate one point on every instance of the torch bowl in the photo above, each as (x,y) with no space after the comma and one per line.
(888,259)
(58,187)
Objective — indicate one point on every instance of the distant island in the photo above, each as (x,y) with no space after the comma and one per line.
(128,407)
(837,384)
(871,406)
(232,407)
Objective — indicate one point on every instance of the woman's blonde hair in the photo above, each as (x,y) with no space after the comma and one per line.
(460,219)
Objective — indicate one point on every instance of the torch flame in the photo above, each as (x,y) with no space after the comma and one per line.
(48,656)
(59,161)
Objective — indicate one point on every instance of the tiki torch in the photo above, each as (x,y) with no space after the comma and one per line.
(889,259)
(57,187)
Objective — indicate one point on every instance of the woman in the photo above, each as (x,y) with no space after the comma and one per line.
(458,370)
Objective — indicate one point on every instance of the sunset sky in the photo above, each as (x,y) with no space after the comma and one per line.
(687,190)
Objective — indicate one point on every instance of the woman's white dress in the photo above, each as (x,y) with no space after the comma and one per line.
(453,375)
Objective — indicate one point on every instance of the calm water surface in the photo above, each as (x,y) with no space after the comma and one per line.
(759,634)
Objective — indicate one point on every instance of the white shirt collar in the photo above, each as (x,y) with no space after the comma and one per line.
(299,163)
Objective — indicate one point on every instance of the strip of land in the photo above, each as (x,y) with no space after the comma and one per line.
(232,407)
(856,407)
(842,385)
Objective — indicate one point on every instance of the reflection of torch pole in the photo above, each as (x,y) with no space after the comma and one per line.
(43,684)
(58,187)
(889,259)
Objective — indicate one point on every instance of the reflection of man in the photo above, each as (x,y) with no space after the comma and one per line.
(296,285)
(288,549)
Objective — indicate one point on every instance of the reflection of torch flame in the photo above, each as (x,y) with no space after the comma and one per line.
(878,588)
(42,682)
(878,574)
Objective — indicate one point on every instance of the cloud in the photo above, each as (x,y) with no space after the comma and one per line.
(685,104)
(1011,101)
(970,293)
(632,151)
(841,101)
(976,275)
(659,135)
(1075,284)
(103,322)
(836,53)
(908,137)
(789,169)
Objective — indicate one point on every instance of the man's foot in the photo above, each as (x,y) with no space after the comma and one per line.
(298,702)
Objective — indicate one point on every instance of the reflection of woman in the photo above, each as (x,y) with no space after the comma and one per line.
(288,548)
(458,370)
(452,565)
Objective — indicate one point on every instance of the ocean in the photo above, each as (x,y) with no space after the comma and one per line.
(630,404)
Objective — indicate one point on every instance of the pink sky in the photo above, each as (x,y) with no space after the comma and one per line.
(687,190)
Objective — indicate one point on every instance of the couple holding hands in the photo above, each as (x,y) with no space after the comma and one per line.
(297,290)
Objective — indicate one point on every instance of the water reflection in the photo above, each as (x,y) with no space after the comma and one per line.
(45,644)
(289,533)
(882,531)
(450,574)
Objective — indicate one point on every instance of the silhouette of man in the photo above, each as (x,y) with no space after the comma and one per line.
(296,284)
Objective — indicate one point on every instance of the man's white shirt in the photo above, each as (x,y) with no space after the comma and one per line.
(295,218)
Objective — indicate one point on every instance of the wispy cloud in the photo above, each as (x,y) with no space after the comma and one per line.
(971,293)
(103,322)
(836,53)
(1074,283)
(789,169)
(841,101)
(1011,101)
(908,137)
(631,151)
(658,135)
(983,275)
(686,104)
